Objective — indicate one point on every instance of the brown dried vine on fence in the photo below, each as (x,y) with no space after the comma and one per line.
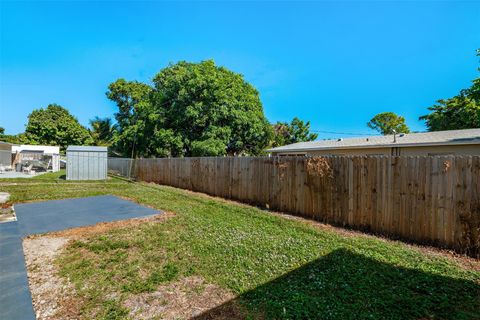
(318,167)
(195,163)
(446,165)
(282,168)
(470,220)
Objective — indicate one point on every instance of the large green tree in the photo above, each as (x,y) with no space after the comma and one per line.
(192,109)
(388,123)
(134,104)
(295,131)
(54,125)
(459,112)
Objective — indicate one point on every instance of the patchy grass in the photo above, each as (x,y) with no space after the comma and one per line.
(51,176)
(45,177)
(278,268)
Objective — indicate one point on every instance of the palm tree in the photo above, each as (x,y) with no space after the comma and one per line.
(102,131)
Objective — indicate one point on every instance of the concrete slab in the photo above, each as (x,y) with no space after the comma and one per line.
(15,298)
(47,216)
(14,175)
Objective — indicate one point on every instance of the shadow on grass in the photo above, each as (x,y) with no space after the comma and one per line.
(345,285)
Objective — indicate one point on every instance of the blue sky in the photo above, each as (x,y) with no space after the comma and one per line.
(336,64)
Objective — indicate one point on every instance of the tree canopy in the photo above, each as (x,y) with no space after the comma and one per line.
(54,125)
(192,109)
(459,112)
(388,123)
(295,131)
(134,104)
(18,138)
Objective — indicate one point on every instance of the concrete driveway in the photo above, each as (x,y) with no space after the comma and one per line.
(42,217)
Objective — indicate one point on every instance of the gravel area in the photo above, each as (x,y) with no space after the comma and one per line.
(46,287)
(184,299)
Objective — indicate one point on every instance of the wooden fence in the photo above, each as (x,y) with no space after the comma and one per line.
(423,199)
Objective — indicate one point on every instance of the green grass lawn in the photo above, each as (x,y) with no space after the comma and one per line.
(278,268)
(59,175)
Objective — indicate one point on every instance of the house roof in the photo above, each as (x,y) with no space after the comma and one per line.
(36,148)
(87,148)
(8,143)
(450,137)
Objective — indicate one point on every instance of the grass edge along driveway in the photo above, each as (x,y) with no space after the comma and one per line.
(278,268)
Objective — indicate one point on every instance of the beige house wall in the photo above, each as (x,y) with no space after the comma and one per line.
(468,149)
(5,155)
(5,147)
(401,151)
(340,152)
(353,152)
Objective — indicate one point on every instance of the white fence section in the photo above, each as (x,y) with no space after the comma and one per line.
(121,166)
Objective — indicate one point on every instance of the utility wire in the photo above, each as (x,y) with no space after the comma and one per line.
(345,133)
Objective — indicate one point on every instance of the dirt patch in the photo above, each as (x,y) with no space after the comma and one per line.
(49,292)
(103,227)
(185,299)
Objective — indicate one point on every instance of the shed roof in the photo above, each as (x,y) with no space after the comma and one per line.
(87,148)
(450,137)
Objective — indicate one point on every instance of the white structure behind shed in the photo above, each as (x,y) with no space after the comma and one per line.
(27,152)
(86,163)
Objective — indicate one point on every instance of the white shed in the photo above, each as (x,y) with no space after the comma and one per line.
(86,163)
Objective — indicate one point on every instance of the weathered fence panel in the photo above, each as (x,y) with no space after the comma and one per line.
(423,199)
